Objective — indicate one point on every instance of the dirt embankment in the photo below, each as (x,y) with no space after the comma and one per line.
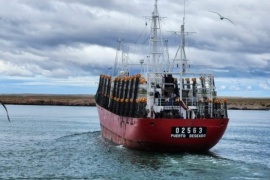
(248,103)
(57,100)
(89,100)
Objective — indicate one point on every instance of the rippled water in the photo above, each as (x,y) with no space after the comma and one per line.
(65,142)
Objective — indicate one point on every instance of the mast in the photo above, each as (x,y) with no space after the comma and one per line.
(155,43)
(120,63)
(155,61)
(183,52)
(116,58)
(182,59)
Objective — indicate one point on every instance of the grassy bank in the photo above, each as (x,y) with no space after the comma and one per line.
(248,103)
(89,100)
(59,100)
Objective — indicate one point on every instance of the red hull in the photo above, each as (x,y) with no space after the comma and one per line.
(161,134)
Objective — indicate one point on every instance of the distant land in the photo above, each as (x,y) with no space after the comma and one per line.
(237,103)
(48,99)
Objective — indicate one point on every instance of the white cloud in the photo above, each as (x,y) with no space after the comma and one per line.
(8,68)
(264,86)
(234,88)
(61,40)
(222,87)
(249,88)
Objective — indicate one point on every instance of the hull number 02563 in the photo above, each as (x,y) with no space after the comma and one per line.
(188,132)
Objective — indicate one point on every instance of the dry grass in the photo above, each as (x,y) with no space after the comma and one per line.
(248,103)
(31,99)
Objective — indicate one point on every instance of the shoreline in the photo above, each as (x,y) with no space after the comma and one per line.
(233,103)
(48,99)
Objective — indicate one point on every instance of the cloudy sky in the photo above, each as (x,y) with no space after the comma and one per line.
(61,46)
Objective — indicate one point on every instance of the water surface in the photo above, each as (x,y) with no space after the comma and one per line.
(65,142)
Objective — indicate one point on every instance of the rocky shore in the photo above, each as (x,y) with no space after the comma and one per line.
(237,103)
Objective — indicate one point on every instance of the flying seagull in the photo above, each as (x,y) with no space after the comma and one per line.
(222,17)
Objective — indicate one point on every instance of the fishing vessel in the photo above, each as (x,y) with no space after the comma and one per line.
(166,106)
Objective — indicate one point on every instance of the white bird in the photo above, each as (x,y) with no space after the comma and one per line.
(222,17)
